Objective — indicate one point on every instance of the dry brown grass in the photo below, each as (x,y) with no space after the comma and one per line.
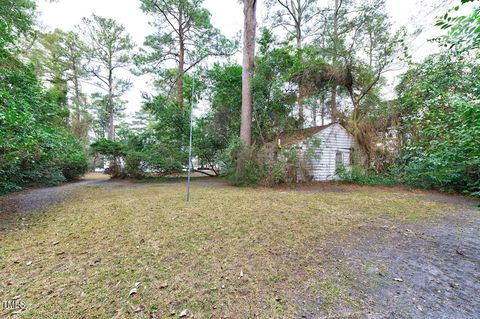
(87,254)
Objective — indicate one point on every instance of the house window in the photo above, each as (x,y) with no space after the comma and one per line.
(338,158)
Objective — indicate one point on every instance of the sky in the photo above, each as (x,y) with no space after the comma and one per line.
(226,15)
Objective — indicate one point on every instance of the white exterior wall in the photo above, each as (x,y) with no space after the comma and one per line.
(322,166)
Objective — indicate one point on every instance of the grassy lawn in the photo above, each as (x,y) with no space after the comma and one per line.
(230,252)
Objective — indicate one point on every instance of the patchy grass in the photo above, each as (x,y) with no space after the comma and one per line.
(83,257)
(171,179)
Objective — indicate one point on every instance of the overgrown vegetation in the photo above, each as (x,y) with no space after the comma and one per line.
(327,65)
(36,147)
(439,99)
(358,175)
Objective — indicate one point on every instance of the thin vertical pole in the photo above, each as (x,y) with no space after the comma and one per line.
(190,146)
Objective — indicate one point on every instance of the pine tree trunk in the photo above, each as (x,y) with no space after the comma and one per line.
(110,110)
(247,74)
(181,66)
(334,62)
(301,93)
(111,124)
(334,103)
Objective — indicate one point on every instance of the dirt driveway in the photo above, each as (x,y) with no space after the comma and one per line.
(414,268)
(411,269)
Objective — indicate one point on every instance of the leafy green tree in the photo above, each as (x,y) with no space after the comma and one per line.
(184,36)
(215,130)
(74,52)
(463,30)
(299,19)
(274,96)
(16,20)
(109,49)
(373,51)
(359,48)
(273,104)
(332,39)
(225,95)
(438,100)
(60,58)
(35,148)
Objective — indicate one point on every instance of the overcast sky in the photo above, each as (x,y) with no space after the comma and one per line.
(227,15)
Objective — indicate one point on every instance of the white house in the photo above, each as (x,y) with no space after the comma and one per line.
(321,149)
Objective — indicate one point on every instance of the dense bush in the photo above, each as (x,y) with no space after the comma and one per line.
(35,147)
(440,100)
(137,155)
(361,176)
(154,159)
(260,166)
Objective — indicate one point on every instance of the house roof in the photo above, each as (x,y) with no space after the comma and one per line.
(294,137)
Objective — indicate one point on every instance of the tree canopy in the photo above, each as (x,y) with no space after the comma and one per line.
(308,63)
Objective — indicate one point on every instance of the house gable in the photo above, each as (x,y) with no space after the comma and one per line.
(334,148)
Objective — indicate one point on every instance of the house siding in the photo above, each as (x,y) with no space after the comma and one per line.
(322,165)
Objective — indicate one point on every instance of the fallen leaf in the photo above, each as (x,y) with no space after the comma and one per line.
(460,252)
(119,314)
(140,308)
(138,283)
(184,313)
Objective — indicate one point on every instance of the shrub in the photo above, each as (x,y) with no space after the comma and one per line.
(35,147)
(244,166)
(439,98)
(114,152)
(140,155)
(74,161)
(360,176)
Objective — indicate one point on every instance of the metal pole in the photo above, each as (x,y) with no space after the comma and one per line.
(190,146)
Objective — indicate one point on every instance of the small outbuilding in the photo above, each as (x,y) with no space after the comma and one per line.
(320,150)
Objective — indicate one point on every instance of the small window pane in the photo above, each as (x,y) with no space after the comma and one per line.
(338,158)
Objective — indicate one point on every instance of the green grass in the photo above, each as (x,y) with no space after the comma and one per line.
(88,253)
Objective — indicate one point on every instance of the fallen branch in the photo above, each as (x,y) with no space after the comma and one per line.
(208,174)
